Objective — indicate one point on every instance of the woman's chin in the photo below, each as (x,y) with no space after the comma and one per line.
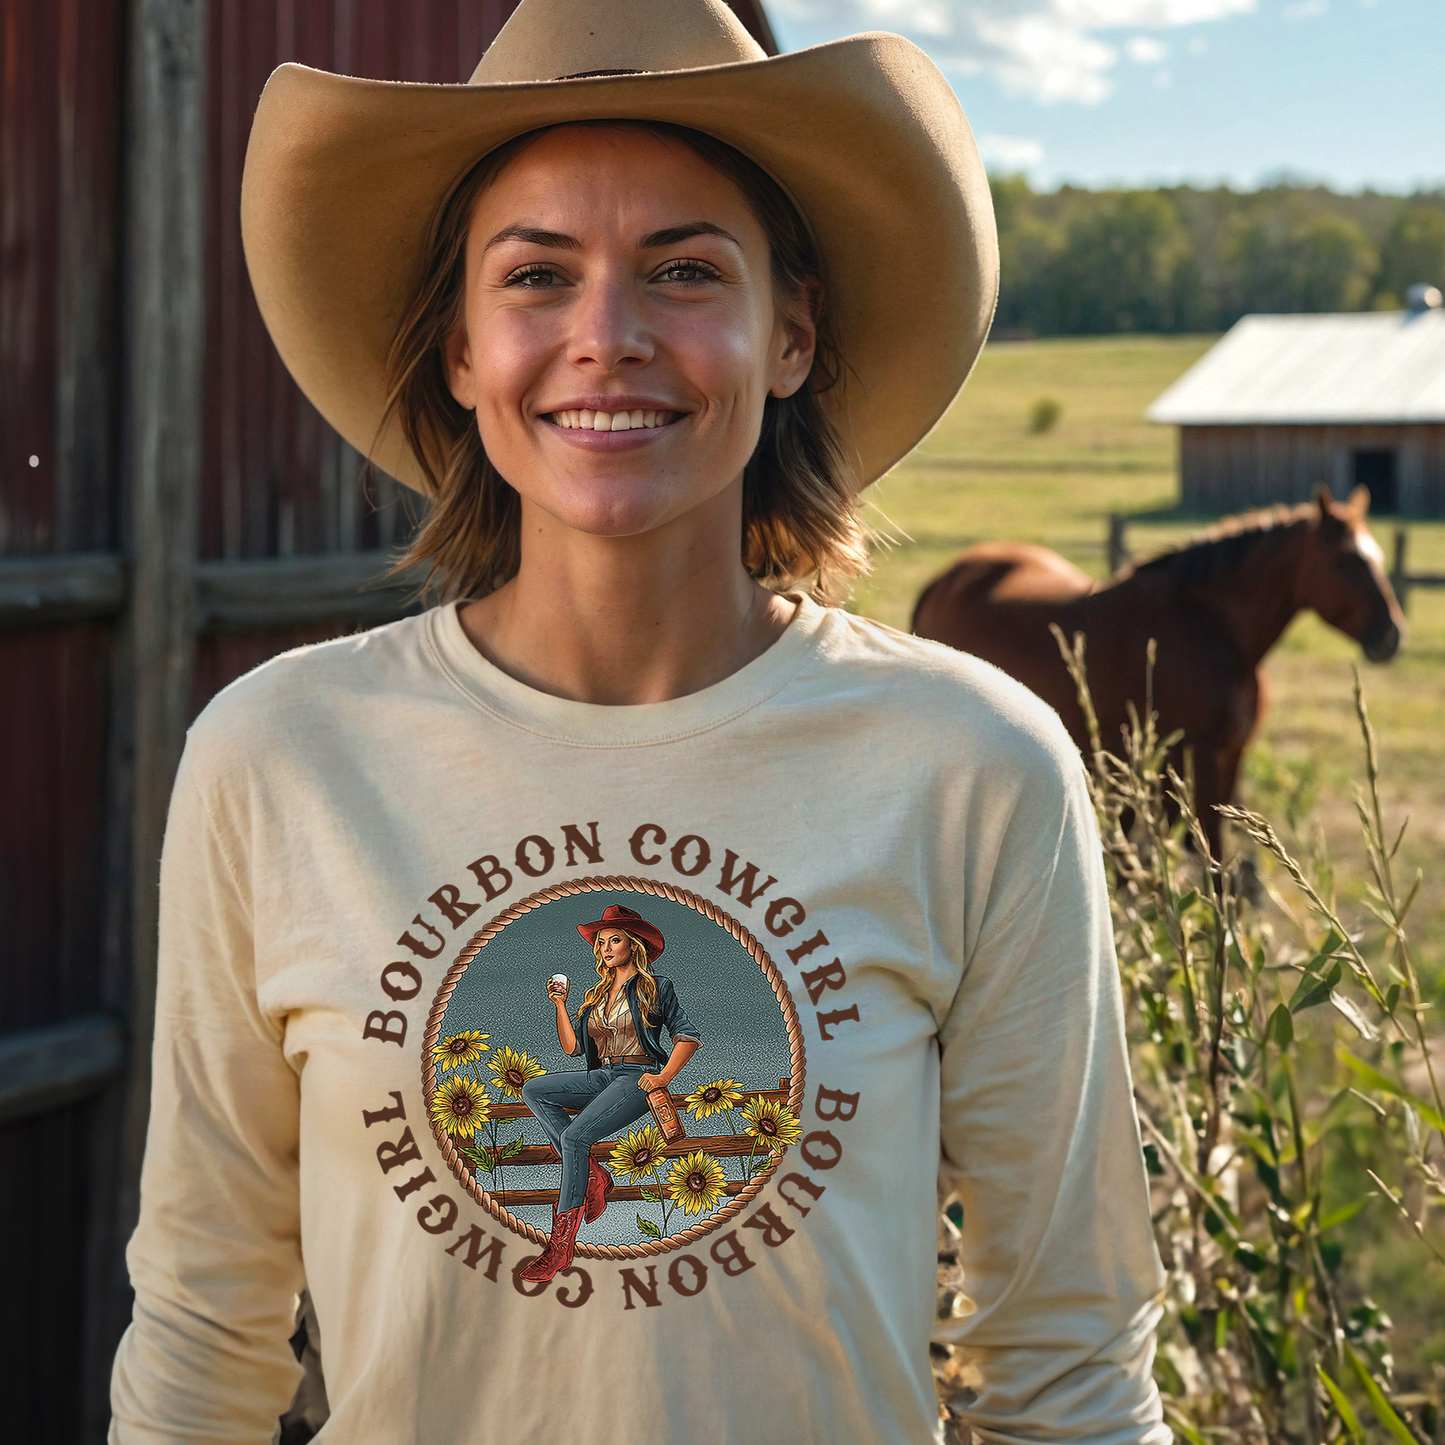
(620,508)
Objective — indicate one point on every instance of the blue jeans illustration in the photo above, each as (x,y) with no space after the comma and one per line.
(609,1100)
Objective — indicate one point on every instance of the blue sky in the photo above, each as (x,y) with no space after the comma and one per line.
(1351,92)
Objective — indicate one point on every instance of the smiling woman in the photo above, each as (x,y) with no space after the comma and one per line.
(640,310)
(550,236)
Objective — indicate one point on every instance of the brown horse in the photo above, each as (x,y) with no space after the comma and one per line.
(1215,607)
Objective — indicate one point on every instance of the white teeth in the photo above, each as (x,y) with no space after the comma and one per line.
(611,421)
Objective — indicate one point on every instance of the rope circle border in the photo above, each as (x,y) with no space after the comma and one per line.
(570,889)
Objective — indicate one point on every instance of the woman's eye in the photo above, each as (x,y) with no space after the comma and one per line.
(687,271)
(533,278)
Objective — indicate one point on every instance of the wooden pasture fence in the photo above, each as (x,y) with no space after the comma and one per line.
(1401,578)
(720,1146)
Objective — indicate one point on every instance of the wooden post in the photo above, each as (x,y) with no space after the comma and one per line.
(1399,573)
(1118,549)
(164,354)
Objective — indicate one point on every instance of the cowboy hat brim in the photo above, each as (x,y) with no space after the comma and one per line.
(344,177)
(645,933)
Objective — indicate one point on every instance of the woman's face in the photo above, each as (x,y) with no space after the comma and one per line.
(612,274)
(616,949)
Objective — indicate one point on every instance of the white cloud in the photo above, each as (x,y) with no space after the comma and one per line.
(1145,50)
(1010,152)
(1048,49)
(1306,9)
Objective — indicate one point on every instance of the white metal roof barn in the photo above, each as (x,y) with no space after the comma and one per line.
(1283,403)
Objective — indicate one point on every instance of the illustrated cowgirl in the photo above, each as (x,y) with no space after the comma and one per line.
(619,1034)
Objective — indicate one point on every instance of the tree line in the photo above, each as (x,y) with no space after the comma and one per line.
(1182,259)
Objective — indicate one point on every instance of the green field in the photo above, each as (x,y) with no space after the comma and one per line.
(982,474)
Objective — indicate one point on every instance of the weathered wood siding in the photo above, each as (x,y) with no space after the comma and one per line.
(1228,468)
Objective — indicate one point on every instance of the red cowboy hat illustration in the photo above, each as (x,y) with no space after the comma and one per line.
(616,916)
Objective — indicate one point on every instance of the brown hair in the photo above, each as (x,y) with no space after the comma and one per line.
(800,522)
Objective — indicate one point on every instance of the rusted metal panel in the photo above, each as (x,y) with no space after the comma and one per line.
(278,480)
(52,791)
(43,1198)
(29,234)
(59,137)
(61,85)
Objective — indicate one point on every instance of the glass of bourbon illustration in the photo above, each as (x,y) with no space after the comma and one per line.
(558,985)
(666,1115)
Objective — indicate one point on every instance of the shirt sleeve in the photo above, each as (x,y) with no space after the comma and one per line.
(215,1259)
(1041,1141)
(679,1026)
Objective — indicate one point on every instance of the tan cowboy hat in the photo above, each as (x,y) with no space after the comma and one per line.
(344,178)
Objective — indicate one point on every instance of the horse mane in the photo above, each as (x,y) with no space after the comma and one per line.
(1223,548)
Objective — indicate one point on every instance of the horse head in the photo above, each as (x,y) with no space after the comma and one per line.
(1342,576)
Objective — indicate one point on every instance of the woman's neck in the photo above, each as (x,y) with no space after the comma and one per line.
(629,619)
(619,979)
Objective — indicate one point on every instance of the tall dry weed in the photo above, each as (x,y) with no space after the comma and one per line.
(1266,1039)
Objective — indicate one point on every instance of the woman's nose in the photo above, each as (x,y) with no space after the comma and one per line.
(609,330)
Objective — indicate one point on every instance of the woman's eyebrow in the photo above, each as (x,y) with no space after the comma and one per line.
(672,235)
(560,241)
(535,236)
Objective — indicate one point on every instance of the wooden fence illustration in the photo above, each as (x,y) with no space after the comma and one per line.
(720,1146)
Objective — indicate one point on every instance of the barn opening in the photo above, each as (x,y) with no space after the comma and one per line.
(1377,470)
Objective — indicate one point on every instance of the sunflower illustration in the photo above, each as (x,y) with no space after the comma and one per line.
(459,1105)
(771,1122)
(695,1182)
(512,1070)
(464,1048)
(714,1098)
(638,1154)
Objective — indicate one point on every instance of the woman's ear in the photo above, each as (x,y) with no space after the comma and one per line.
(457,361)
(795,336)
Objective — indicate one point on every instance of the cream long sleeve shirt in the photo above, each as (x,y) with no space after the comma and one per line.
(876,871)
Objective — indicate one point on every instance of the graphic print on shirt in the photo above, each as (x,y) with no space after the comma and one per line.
(507,1104)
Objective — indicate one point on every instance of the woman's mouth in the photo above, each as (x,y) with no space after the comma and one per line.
(637,420)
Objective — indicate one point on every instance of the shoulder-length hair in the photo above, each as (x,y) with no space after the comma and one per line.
(800,521)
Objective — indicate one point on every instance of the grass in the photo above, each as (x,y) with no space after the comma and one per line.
(984,473)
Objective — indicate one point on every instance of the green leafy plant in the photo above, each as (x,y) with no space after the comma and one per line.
(1286,1092)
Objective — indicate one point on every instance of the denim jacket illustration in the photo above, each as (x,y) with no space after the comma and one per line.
(666,1013)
